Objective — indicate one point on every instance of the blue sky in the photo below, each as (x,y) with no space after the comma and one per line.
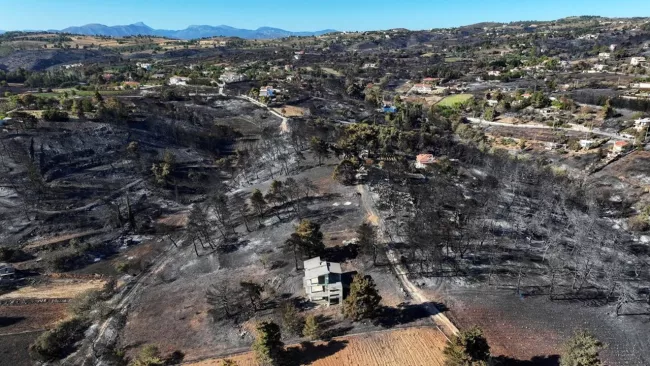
(301,14)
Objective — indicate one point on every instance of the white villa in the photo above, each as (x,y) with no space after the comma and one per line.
(232,77)
(641,123)
(604,56)
(322,281)
(636,61)
(178,80)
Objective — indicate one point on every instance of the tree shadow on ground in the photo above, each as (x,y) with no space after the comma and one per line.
(553,360)
(325,321)
(336,332)
(10,320)
(232,244)
(174,358)
(404,313)
(308,353)
(341,253)
(325,215)
(330,329)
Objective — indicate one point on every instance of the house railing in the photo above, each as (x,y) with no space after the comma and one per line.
(332,287)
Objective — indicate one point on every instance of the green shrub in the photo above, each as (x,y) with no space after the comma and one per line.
(65,261)
(55,115)
(83,303)
(581,350)
(638,223)
(122,267)
(59,342)
(149,356)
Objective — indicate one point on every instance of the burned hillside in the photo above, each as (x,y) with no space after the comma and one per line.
(111,178)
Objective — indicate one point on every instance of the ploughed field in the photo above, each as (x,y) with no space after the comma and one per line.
(403,347)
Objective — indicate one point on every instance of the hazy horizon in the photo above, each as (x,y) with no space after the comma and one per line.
(293,15)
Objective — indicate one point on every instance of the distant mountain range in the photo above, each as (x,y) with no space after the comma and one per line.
(191,32)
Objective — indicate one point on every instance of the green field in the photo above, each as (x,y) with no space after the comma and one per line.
(453,100)
(331,71)
(453,59)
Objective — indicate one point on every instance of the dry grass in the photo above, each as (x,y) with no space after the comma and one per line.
(404,347)
(59,289)
(177,220)
(39,244)
(291,111)
(80,41)
(373,219)
(33,317)
(331,71)
(432,100)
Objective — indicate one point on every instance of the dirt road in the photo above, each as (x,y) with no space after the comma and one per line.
(443,323)
(284,125)
(107,332)
(578,128)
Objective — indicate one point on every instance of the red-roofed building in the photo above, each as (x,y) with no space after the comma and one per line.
(620,146)
(424,160)
(131,84)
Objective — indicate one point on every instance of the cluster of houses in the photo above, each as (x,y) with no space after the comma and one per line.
(72,66)
(430,86)
(606,56)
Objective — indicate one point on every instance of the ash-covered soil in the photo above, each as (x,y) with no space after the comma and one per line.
(38,60)
(73,182)
(528,327)
(178,293)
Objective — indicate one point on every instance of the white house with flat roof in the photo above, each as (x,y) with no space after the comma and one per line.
(587,144)
(641,123)
(636,61)
(178,80)
(322,281)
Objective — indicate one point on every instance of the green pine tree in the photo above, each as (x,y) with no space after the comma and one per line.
(311,238)
(312,328)
(468,348)
(363,300)
(268,346)
(581,350)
